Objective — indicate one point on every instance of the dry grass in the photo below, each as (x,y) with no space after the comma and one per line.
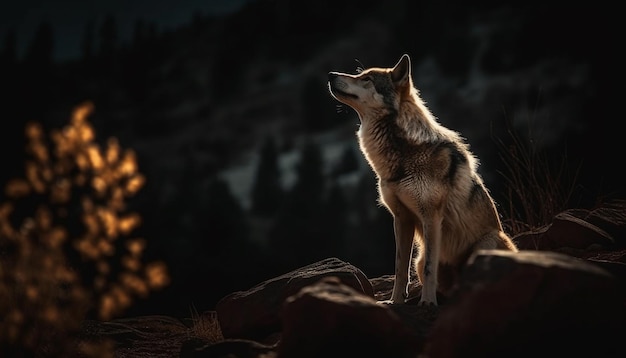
(205,326)
(538,186)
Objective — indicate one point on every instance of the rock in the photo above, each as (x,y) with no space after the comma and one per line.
(230,348)
(255,313)
(331,319)
(530,304)
(603,227)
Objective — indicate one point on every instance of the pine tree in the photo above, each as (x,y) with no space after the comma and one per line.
(39,53)
(36,83)
(298,222)
(333,221)
(9,51)
(267,192)
(108,38)
(226,222)
(348,163)
(309,188)
(86,45)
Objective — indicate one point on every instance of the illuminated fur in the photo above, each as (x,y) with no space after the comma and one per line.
(427,177)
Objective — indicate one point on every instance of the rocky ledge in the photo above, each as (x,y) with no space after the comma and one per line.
(564,293)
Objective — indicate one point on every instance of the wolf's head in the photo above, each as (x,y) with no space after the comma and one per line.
(375,91)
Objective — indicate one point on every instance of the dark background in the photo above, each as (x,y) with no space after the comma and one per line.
(252,169)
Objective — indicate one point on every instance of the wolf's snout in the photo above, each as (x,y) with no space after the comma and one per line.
(335,81)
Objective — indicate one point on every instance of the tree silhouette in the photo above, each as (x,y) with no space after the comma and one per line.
(36,82)
(267,192)
(11,87)
(348,162)
(140,32)
(87,42)
(108,38)
(138,63)
(298,223)
(226,222)
(333,221)
(225,243)
(40,51)
(308,191)
(8,56)
(371,244)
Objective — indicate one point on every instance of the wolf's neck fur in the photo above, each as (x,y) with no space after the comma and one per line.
(417,122)
(383,136)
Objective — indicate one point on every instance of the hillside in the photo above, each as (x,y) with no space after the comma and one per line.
(198,103)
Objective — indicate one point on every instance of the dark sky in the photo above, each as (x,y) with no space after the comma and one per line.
(69,17)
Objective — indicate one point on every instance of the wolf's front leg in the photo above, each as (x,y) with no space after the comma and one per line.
(404,230)
(428,262)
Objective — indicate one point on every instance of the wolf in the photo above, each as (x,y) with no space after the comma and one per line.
(427,177)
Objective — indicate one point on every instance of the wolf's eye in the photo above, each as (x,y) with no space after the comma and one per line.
(366,79)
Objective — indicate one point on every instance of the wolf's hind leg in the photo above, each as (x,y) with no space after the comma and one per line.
(495,240)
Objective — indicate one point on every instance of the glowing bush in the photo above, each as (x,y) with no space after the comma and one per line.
(67,217)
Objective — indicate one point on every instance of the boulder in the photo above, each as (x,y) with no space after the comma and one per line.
(331,319)
(255,313)
(601,228)
(530,303)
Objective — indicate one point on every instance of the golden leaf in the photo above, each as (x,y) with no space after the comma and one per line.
(86,133)
(82,161)
(157,276)
(106,248)
(46,173)
(5,210)
(134,184)
(113,151)
(86,249)
(95,157)
(99,185)
(32,175)
(109,222)
(128,166)
(34,130)
(121,298)
(87,204)
(136,246)
(80,179)
(131,263)
(91,224)
(51,314)
(17,188)
(81,112)
(39,151)
(107,307)
(128,223)
(134,284)
(60,192)
(31,293)
(43,218)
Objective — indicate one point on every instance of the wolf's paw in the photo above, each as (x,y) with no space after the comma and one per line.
(425,303)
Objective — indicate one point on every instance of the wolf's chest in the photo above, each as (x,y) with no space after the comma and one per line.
(395,157)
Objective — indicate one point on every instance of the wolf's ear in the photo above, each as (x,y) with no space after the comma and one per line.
(401,72)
